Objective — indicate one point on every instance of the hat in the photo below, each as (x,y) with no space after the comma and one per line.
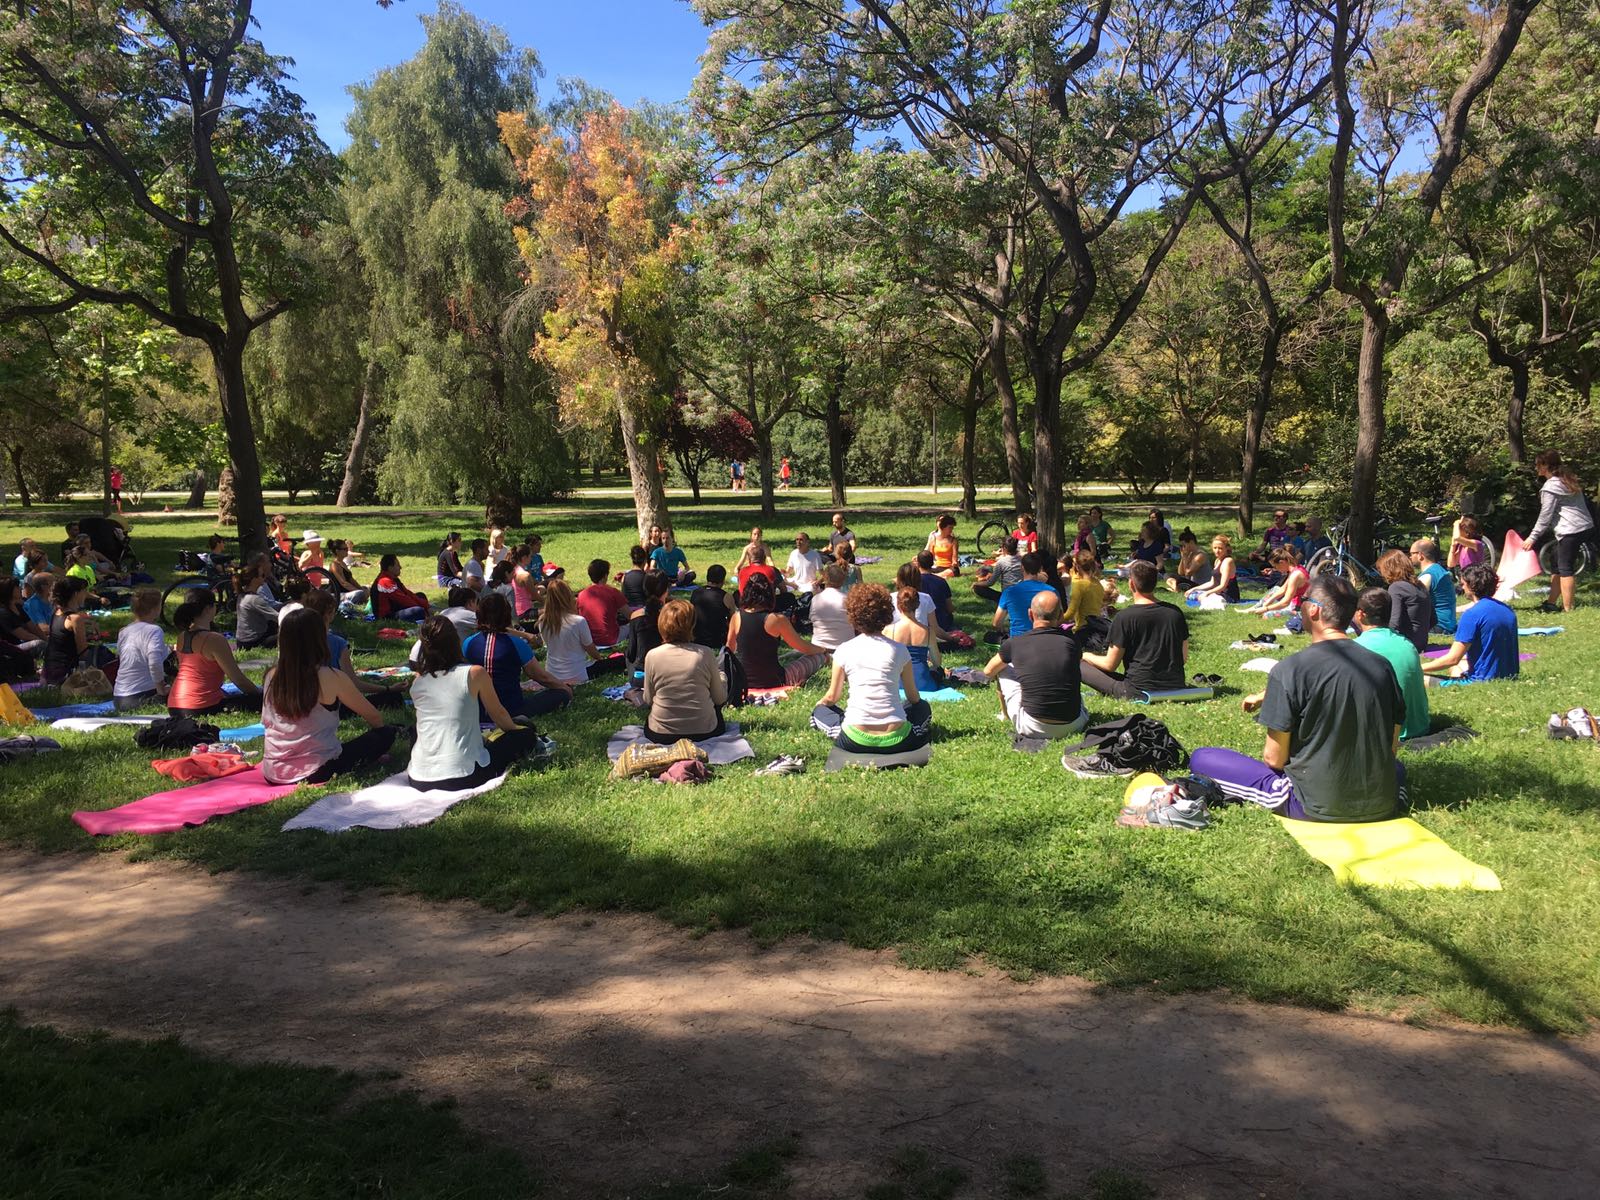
(311,535)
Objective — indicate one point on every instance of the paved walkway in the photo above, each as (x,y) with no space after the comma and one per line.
(615,1049)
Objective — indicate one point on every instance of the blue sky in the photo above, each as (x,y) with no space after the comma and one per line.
(635,49)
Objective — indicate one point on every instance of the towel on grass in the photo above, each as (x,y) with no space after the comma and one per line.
(91,724)
(392,804)
(1541,630)
(1255,646)
(201,765)
(944,695)
(165,812)
(1398,853)
(728,747)
(1260,664)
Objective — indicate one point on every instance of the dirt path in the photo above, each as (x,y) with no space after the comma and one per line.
(615,1049)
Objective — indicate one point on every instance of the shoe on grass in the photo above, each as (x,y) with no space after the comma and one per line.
(1092,766)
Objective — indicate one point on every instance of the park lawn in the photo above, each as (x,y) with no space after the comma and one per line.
(987,854)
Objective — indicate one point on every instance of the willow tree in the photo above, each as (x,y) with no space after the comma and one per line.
(594,226)
(155,160)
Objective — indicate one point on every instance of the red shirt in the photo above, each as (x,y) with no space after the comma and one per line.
(598,604)
(760,569)
(1027,543)
(394,596)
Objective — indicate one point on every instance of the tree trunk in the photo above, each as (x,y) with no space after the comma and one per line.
(1255,426)
(197,489)
(1194,465)
(1369,435)
(649,494)
(969,460)
(228,361)
(105,439)
(227,498)
(1514,414)
(355,461)
(694,483)
(1010,433)
(838,444)
(763,438)
(1049,511)
(22,482)
(502,507)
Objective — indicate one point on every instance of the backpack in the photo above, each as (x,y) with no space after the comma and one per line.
(175,733)
(738,682)
(1136,743)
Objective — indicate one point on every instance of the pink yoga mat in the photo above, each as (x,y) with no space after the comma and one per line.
(193,805)
(1518,564)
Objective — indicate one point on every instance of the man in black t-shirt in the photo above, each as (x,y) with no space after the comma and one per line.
(712,608)
(1037,673)
(1333,714)
(1151,638)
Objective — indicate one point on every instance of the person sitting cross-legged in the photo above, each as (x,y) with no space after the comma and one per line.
(683,687)
(1149,640)
(1486,636)
(1011,612)
(877,669)
(1038,675)
(1333,714)
(755,633)
(1441,585)
(993,579)
(1374,615)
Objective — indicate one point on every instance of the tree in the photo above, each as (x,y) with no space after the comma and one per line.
(157,160)
(1387,89)
(448,336)
(595,229)
(694,439)
(1085,106)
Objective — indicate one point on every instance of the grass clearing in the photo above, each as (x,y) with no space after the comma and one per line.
(987,853)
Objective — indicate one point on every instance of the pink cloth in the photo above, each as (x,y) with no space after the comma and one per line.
(1518,564)
(168,811)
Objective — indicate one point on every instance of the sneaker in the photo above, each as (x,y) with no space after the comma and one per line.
(1550,607)
(1092,766)
(784,765)
(544,746)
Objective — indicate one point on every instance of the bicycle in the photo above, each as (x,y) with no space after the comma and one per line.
(1547,558)
(1337,560)
(990,539)
(204,576)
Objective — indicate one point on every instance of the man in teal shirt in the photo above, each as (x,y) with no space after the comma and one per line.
(1440,584)
(1372,619)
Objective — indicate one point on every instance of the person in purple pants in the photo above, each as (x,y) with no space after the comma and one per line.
(1333,714)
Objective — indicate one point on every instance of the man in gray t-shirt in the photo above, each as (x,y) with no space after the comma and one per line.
(999,575)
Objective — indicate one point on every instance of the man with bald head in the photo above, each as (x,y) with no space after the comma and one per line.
(1038,675)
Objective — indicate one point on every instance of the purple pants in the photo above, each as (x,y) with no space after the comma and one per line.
(1250,779)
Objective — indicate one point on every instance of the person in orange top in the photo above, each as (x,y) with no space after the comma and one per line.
(945,548)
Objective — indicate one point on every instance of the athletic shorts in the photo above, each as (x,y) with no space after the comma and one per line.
(1567,551)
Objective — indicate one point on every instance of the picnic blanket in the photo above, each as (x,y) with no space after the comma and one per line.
(392,804)
(92,724)
(165,812)
(1398,853)
(728,747)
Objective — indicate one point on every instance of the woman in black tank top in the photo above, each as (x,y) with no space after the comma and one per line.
(68,631)
(756,644)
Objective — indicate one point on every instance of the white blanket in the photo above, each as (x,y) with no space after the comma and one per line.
(392,804)
(90,724)
(729,747)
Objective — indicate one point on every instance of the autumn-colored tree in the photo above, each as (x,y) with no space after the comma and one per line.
(595,230)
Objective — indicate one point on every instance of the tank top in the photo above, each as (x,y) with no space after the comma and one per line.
(921,673)
(296,748)
(60,650)
(449,743)
(944,552)
(199,680)
(758,651)
(521,599)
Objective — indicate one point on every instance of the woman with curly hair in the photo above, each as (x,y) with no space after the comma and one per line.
(876,669)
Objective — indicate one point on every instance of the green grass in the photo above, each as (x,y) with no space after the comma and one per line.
(987,853)
(101,1116)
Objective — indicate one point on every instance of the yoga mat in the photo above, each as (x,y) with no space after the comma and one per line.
(245,733)
(165,812)
(729,747)
(1188,693)
(1541,630)
(1260,664)
(91,724)
(1517,565)
(1260,646)
(1398,853)
(839,758)
(944,695)
(98,708)
(392,804)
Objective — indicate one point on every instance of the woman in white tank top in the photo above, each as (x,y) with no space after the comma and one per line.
(451,752)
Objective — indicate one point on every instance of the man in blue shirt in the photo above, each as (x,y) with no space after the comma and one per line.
(1432,573)
(1487,634)
(938,591)
(1013,614)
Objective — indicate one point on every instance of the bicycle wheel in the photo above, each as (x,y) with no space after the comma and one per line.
(990,538)
(320,581)
(1323,562)
(1547,559)
(177,593)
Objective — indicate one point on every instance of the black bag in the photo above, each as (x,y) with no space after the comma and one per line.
(176,733)
(1094,635)
(738,682)
(1137,743)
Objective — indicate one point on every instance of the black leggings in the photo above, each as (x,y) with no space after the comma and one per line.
(358,752)
(503,751)
(139,700)
(919,716)
(1115,686)
(226,704)
(984,592)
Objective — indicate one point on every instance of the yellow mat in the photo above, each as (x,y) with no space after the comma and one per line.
(1397,853)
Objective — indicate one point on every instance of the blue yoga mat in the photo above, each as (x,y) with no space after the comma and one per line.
(100,708)
(1541,630)
(245,733)
(942,696)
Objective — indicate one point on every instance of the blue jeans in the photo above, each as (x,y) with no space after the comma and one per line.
(416,613)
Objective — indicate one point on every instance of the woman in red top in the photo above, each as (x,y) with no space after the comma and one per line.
(391,599)
(204,660)
(1027,534)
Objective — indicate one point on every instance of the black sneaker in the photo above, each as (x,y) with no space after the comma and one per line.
(1092,766)
(1550,607)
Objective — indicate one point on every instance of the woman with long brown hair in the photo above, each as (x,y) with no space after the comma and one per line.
(300,708)
(1411,603)
(1564,516)
(567,639)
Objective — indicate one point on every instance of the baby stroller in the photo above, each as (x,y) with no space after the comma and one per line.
(110,538)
